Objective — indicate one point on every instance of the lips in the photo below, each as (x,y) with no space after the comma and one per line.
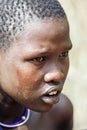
(52,96)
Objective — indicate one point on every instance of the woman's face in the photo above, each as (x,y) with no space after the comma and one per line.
(34,68)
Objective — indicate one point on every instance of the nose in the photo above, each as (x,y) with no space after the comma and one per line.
(54,74)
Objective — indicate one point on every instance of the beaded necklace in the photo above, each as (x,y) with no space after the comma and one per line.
(20,122)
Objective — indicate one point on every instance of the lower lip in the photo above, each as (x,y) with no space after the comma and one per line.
(50,99)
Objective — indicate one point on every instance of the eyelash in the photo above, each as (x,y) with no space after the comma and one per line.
(42,59)
(64,54)
(38,59)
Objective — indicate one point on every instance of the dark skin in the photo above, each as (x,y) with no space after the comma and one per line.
(60,117)
(33,70)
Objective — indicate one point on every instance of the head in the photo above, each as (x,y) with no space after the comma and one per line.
(34,46)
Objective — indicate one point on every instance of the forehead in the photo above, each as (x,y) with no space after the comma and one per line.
(43,36)
(45,29)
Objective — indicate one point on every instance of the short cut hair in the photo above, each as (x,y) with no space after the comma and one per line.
(14,14)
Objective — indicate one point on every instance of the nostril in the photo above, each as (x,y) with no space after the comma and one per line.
(54,82)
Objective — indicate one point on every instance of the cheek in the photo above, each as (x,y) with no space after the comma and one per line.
(28,76)
(65,67)
(24,76)
(29,82)
(25,82)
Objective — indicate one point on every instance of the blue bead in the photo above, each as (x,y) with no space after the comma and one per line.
(1,128)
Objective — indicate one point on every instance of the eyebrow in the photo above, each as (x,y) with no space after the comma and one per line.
(45,52)
(38,52)
(41,52)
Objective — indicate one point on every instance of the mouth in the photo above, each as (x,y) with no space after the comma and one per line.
(51,97)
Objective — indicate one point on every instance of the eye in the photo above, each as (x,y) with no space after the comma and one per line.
(37,60)
(64,54)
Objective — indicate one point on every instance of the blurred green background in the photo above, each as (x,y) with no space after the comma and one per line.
(76,84)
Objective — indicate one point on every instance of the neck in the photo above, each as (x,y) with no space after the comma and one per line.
(10,110)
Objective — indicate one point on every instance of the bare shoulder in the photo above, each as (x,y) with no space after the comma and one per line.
(61,114)
(60,117)
(63,109)
(64,106)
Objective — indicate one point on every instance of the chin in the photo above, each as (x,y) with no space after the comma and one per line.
(42,109)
